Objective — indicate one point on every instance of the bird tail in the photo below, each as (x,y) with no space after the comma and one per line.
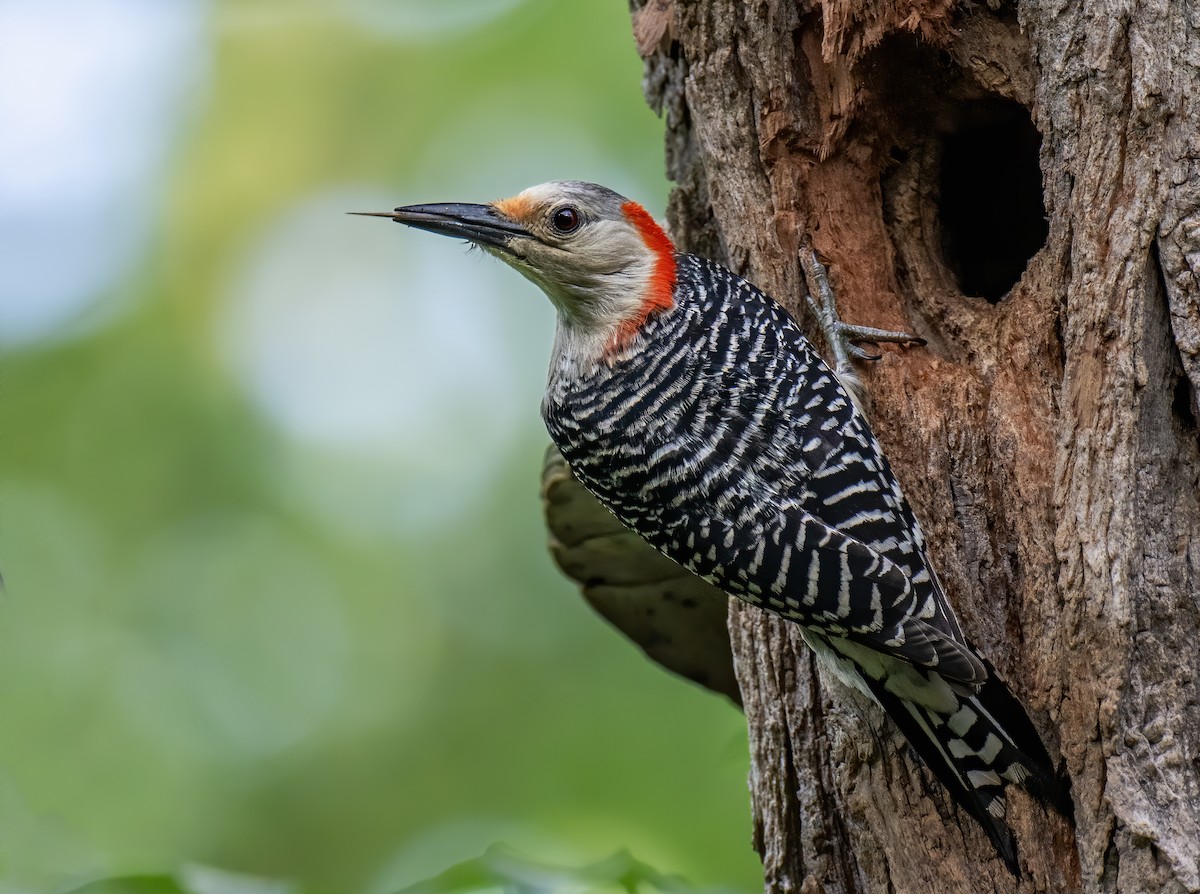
(986,744)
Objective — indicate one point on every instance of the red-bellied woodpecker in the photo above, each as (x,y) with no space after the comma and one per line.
(696,411)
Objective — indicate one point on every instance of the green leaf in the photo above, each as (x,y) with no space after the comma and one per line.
(499,869)
(191,879)
(133,884)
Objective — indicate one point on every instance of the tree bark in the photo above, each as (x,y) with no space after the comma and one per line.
(1047,436)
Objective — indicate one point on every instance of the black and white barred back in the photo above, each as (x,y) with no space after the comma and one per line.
(723,439)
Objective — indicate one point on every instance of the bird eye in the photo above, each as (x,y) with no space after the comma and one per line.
(565,219)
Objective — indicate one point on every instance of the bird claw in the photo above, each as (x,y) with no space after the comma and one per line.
(841,337)
(858,353)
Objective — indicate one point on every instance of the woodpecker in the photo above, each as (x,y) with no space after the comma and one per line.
(695,410)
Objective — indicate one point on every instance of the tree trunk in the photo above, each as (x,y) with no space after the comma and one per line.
(1021,186)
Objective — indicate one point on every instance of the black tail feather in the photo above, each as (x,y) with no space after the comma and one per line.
(923,735)
(977,751)
(1043,783)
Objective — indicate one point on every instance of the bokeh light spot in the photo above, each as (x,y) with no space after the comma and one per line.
(396,363)
(237,642)
(89,114)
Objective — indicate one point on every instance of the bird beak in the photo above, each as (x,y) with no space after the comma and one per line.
(481,224)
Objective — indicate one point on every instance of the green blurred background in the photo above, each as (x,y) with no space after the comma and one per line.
(278,598)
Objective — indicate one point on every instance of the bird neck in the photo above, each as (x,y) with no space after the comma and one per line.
(601,319)
(658,294)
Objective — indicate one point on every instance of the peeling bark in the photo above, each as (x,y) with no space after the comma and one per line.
(1047,436)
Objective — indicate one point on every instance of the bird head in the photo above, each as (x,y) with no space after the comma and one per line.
(601,258)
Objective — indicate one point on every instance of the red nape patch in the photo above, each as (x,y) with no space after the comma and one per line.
(661,286)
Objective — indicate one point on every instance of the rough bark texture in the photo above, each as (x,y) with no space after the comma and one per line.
(1047,436)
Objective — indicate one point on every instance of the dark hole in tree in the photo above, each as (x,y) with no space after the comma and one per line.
(1183,401)
(990,203)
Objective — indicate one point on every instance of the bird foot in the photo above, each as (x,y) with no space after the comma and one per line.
(841,337)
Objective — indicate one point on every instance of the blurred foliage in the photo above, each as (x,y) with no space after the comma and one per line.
(192,879)
(498,869)
(243,626)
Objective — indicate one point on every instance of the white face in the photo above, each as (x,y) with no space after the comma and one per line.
(584,252)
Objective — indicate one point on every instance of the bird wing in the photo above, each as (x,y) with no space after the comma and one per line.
(796,565)
(817,528)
